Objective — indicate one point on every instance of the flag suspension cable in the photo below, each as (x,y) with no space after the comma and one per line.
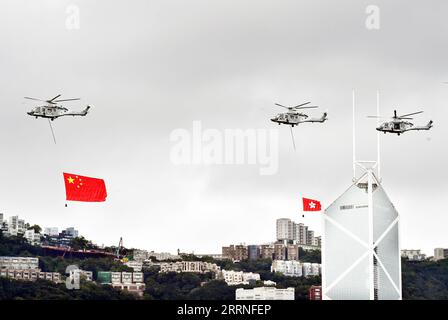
(52,132)
(292,136)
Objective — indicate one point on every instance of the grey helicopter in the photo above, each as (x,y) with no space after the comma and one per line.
(294,117)
(51,110)
(398,124)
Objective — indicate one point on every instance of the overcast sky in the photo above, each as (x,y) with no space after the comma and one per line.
(150,67)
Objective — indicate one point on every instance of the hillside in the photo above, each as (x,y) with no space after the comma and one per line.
(421,280)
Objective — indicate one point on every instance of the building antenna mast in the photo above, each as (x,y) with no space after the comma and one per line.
(353,134)
(378,160)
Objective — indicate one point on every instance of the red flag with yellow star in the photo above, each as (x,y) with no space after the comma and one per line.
(80,188)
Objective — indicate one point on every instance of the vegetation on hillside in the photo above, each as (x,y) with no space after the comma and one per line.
(45,290)
(421,280)
(425,280)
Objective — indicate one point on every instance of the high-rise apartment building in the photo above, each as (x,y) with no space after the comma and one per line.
(298,233)
(285,229)
(301,233)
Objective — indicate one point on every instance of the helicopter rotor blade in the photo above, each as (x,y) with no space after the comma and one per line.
(378,117)
(51,100)
(29,98)
(310,107)
(67,100)
(302,104)
(409,114)
(280,105)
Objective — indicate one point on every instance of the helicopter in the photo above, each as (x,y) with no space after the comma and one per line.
(293,117)
(399,126)
(53,111)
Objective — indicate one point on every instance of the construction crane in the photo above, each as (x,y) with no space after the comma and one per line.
(120,245)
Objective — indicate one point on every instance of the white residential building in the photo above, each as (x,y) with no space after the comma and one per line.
(317,241)
(287,267)
(264,293)
(295,268)
(189,266)
(137,266)
(32,237)
(142,255)
(30,275)
(51,231)
(413,255)
(16,226)
(126,277)
(135,288)
(71,232)
(115,277)
(440,254)
(269,283)
(161,256)
(19,263)
(232,277)
(311,269)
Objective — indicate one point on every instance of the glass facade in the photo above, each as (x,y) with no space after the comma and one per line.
(354,268)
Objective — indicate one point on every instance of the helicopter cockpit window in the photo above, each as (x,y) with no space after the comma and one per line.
(396,126)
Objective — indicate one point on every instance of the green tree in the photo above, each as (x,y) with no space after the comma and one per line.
(80,243)
(213,290)
(36,228)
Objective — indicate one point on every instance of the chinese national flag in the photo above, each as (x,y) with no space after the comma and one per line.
(311,205)
(80,188)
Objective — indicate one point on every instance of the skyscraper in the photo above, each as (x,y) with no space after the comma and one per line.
(360,250)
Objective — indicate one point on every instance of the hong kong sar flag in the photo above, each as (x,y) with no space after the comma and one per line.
(311,205)
(80,188)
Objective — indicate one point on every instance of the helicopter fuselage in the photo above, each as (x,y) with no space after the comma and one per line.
(53,112)
(294,118)
(400,127)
